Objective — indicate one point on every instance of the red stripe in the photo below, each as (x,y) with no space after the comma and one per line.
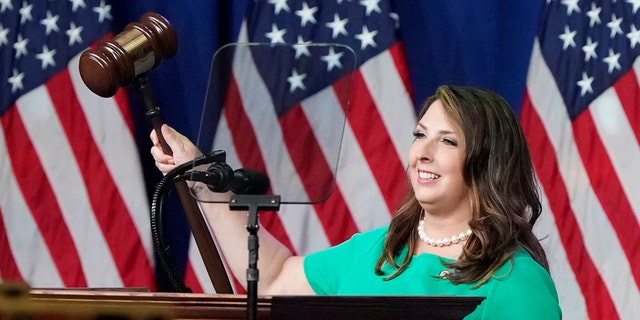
(316,176)
(400,62)
(627,90)
(106,201)
(8,267)
(371,133)
(249,154)
(190,279)
(239,288)
(41,200)
(598,301)
(607,187)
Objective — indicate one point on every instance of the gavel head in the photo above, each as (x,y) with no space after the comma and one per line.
(119,61)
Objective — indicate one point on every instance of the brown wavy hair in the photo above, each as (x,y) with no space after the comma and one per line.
(503,191)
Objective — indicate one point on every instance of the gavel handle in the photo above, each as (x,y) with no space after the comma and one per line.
(199,229)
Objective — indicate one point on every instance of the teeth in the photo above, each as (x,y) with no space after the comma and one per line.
(427,175)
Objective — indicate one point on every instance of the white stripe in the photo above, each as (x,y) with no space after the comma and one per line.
(118,148)
(29,249)
(367,208)
(327,121)
(599,237)
(392,99)
(59,163)
(571,299)
(619,140)
(261,114)
(300,222)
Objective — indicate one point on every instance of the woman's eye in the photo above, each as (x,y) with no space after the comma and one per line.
(450,142)
(418,135)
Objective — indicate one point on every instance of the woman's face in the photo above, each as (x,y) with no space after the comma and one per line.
(435,163)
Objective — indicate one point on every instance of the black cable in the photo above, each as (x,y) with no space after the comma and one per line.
(161,249)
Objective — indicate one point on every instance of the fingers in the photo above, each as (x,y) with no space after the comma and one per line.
(159,155)
(163,161)
(154,137)
(182,148)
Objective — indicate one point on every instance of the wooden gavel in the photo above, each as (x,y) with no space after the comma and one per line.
(125,60)
(136,50)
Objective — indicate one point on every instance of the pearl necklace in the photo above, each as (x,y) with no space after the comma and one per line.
(462,236)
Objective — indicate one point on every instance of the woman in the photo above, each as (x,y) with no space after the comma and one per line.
(464,229)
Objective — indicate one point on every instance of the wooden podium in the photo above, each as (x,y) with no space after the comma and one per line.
(124,304)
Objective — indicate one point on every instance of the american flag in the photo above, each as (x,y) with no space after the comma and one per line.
(73,211)
(581,116)
(290,98)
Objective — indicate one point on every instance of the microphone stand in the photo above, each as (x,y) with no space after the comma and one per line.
(253,203)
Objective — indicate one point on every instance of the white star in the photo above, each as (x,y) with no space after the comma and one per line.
(585,84)
(567,38)
(280,4)
(16,81)
(332,59)
(46,57)
(590,50)
(20,46)
(594,15)
(3,35)
(337,26)
(302,48)
(25,12)
(612,61)
(636,5)
(396,19)
(74,34)
(634,36)
(103,11)
(366,38)
(614,25)
(276,35)
(306,14)
(6,4)
(371,5)
(295,81)
(51,23)
(76,4)
(571,6)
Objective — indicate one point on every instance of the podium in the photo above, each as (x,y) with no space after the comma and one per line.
(124,304)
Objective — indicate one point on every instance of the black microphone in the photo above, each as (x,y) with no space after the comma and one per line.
(249,182)
(219,177)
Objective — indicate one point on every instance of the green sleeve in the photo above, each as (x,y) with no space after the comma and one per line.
(325,270)
(523,290)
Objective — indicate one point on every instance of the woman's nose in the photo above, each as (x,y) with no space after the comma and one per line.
(424,150)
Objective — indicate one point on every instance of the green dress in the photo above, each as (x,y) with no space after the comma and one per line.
(519,290)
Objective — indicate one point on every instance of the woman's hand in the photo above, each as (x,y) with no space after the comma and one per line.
(183,149)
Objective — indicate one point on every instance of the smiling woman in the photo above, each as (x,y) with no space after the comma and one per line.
(473,154)
(464,229)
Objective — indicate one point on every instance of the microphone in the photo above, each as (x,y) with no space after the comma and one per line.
(219,177)
(249,182)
